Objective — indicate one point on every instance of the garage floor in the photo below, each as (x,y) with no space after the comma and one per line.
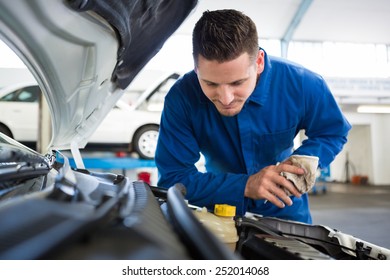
(361,211)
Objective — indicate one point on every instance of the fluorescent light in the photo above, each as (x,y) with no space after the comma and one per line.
(375,109)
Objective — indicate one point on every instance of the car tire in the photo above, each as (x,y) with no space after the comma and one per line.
(5,130)
(145,141)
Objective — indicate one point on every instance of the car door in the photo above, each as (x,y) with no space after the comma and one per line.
(19,112)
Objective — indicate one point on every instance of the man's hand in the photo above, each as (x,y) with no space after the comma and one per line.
(268,184)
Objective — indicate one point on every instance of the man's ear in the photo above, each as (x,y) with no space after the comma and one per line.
(260,61)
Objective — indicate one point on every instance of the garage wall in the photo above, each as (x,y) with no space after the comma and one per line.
(356,157)
(367,149)
(381,149)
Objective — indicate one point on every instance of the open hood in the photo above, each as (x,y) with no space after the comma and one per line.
(84,53)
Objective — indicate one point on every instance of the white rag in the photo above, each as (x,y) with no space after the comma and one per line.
(305,182)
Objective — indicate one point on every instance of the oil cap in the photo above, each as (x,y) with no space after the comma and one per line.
(224,210)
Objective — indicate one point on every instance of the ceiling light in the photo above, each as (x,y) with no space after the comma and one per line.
(375,109)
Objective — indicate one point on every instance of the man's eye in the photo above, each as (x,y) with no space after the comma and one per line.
(211,84)
(238,83)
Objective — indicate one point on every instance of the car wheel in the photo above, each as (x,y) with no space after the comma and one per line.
(5,130)
(145,141)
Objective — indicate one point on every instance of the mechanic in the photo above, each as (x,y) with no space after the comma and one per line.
(242,109)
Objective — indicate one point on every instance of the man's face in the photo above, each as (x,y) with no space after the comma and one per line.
(229,84)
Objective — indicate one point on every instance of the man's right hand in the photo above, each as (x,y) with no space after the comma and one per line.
(268,184)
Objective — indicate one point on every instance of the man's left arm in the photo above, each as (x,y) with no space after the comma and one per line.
(325,125)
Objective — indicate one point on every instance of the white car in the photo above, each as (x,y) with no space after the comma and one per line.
(128,127)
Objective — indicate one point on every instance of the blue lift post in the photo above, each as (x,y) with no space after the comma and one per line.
(114,163)
(108,163)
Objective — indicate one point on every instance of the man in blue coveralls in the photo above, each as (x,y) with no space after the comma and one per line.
(242,109)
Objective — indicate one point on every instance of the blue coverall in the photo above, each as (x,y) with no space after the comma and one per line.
(287,98)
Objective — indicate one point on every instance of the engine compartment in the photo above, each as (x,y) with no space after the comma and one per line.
(77,214)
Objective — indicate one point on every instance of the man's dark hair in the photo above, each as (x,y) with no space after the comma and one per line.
(224,35)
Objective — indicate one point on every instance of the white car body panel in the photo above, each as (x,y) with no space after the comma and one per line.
(25,128)
(120,124)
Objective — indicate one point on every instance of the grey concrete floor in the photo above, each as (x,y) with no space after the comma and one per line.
(361,211)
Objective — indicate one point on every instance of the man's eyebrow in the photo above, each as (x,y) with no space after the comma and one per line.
(209,82)
(234,82)
(239,81)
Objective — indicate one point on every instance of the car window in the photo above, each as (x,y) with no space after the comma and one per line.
(159,95)
(28,94)
(25,94)
(8,97)
(155,101)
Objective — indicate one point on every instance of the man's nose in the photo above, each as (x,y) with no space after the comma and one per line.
(226,94)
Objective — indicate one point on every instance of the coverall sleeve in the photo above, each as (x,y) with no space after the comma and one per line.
(325,125)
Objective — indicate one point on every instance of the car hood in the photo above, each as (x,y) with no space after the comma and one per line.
(83,53)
